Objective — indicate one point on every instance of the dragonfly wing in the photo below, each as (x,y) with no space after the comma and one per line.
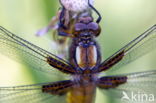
(30,54)
(26,96)
(139,83)
(37,93)
(133,50)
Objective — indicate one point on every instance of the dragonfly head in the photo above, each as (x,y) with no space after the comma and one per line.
(85,26)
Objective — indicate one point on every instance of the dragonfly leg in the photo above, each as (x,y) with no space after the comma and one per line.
(92,7)
(62,18)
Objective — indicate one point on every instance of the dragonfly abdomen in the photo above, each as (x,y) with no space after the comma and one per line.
(82,94)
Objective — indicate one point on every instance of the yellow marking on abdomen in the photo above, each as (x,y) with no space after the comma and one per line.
(82,94)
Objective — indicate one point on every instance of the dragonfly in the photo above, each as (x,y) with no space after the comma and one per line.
(83,66)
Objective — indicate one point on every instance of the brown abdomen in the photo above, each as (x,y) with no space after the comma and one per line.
(82,94)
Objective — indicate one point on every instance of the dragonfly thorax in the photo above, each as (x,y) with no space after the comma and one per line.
(84,53)
(85,40)
(85,79)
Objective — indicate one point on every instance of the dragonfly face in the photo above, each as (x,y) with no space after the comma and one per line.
(84,26)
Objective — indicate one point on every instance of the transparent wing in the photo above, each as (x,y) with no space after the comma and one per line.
(140,83)
(23,51)
(133,50)
(28,94)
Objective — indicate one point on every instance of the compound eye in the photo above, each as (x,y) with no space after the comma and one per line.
(80,26)
(94,27)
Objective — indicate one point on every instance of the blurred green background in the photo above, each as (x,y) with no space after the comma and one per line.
(122,21)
